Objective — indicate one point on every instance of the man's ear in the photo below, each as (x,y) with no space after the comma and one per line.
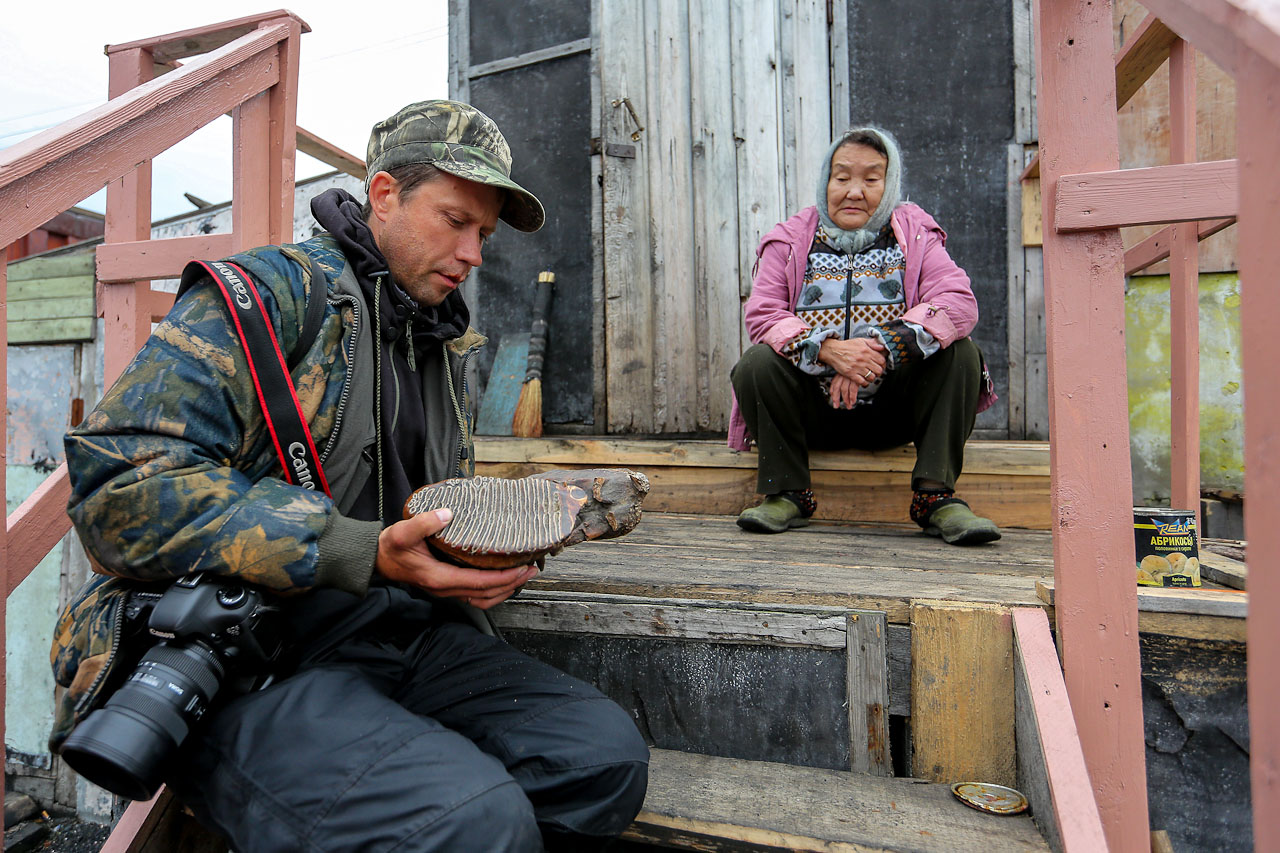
(384,194)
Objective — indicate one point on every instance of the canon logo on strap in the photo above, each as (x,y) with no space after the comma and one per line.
(301,466)
(237,284)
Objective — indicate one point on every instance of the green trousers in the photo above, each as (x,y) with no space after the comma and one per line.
(933,403)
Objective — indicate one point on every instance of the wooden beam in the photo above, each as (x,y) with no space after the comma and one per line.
(1184,298)
(1227,31)
(328,153)
(147,260)
(867,675)
(1258,117)
(281,132)
(1142,54)
(1032,170)
(1091,485)
(135,826)
(36,526)
(962,692)
(171,47)
(1227,603)
(128,219)
(1014,458)
(1176,193)
(4,457)
(1047,729)
(708,803)
(569,48)
(46,173)
(251,195)
(1157,247)
(674,620)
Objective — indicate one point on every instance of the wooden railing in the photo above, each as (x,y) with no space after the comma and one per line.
(248,67)
(1085,198)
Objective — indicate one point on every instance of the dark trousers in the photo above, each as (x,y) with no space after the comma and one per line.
(456,742)
(933,403)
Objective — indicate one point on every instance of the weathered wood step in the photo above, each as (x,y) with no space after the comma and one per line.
(1007,481)
(697,802)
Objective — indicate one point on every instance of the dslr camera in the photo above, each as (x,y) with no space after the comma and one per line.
(214,633)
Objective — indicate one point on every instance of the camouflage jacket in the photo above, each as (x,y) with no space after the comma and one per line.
(174,471)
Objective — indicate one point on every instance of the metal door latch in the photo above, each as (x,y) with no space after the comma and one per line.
(626,102)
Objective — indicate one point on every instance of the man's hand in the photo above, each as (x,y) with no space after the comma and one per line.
(861,360)
(403,556)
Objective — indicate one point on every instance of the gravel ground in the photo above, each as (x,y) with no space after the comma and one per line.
(70,835)
(65,834)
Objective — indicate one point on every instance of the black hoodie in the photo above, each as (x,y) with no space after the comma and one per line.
(407,331)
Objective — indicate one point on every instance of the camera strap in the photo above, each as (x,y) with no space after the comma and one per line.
(279,400)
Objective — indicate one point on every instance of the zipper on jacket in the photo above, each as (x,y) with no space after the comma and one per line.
(408,337)
(117,633)
(346,388)
(848,297)
(377,387)
(457,410)
(453,398)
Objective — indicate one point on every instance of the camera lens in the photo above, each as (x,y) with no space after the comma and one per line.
(122,747)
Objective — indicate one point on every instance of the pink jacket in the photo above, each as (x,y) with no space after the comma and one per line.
(937,291)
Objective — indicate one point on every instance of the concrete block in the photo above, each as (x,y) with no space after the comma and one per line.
(17,808)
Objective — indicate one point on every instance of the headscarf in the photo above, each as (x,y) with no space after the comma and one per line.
(857,240)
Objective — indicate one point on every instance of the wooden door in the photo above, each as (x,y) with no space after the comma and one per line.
(714,115)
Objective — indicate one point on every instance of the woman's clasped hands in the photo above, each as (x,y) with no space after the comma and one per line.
(857,362)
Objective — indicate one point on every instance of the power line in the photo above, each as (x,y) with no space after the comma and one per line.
(393,44)
(50,110)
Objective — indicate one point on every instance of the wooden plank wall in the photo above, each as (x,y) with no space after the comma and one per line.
(734,98)
(51,299)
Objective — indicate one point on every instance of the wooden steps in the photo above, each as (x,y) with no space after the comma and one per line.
(783,681)
(1007,481)
(698,802)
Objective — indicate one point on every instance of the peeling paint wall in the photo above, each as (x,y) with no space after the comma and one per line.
(42,382)
(1221,391)
(29,617)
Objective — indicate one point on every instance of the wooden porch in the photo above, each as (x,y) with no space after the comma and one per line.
(807,691)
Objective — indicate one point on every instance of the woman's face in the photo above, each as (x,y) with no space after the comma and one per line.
(856,184)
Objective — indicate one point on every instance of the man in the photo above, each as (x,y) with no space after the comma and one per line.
(398,723)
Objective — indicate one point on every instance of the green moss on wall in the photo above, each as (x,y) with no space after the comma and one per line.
(1221,392)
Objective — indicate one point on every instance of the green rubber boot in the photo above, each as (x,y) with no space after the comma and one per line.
(957,525)
(773,515)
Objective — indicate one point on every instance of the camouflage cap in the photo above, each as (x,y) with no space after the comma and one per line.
(459,139)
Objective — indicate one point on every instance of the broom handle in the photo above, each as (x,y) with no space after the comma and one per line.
(538,335)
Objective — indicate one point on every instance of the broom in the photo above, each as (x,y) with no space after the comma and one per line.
(527,420)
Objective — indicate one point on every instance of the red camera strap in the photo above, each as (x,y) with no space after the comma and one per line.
(276,394)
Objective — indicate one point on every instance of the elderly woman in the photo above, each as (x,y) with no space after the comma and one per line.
(859,321)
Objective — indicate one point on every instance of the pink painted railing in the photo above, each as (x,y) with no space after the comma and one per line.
(248,67)
(1086,197)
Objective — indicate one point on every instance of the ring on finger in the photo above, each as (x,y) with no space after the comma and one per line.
(868,374)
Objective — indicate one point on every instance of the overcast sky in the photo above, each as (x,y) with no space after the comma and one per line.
(360,63)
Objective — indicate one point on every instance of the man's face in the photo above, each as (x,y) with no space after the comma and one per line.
(432,237)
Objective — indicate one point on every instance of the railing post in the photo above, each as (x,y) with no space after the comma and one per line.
(1258,128)
(4,467)
(263,153)
(284,131)
(1090,480)
(1184,290)
(123,306)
